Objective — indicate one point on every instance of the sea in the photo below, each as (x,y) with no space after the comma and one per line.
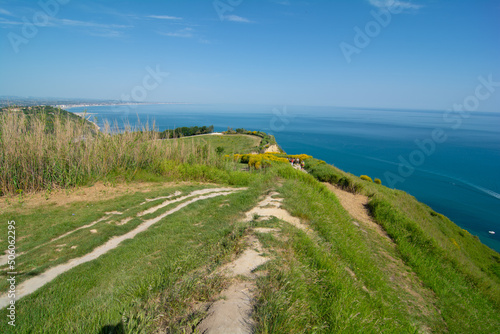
(447,160)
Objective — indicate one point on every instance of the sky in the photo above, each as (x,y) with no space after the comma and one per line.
(411,54)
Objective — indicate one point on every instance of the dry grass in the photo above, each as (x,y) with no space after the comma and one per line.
(96,192)
(34,157)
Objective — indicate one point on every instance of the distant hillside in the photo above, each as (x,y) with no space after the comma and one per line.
(49,114)
(10,101)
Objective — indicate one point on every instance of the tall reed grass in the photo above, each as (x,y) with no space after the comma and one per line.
(34,157)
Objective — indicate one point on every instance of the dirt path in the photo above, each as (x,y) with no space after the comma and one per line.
(108,215)
(271,207)
(3,259)
(31,285)
(232,314)
(94,193)
(248,261)
(355,204)
(177,193)
(401,276)
(192,194)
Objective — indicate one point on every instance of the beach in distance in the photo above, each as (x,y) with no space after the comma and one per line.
(453,169)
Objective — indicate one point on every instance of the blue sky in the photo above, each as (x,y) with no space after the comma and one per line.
(427,55)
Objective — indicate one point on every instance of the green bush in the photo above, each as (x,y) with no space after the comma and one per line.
(186,132)
(377,181)
(245,158)
(324,174)
(321,171)
(219,150)
(347,184)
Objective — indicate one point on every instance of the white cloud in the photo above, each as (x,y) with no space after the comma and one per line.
(395,3)
(8,22)
(76,23)
(204,41)
(5,12)
(236,18)
(73,23)
(164,17)
(91,28)
(183,33)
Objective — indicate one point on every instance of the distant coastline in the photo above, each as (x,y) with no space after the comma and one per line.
(100,104)
(65,103)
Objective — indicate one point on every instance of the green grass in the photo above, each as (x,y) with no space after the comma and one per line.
(232,144)
(44,223)
(460,271)
(308,288)
(122,287)
(461,286)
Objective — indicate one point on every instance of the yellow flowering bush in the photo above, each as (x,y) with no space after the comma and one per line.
(366,178)
(261,160)
(302,157)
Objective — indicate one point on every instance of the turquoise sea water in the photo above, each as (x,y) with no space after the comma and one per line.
(455,171)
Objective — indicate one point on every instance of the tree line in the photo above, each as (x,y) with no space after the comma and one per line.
(186,131)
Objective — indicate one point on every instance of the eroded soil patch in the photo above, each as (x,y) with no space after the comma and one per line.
(233,312)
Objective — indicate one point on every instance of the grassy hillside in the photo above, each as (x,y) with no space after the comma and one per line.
(413,270)
(230,144)
(49,115)
(461,271)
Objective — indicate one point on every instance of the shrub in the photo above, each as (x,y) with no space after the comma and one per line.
(366,178)
(302,157)
(259,161)
(219,150)
(377,181)
(344,183)
(347,184)
(243,158)
(324,173)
